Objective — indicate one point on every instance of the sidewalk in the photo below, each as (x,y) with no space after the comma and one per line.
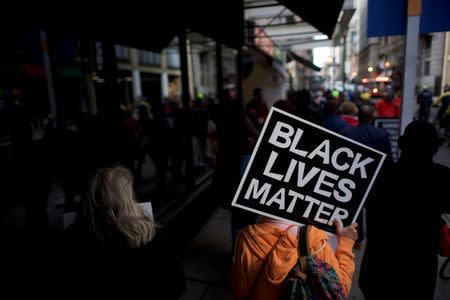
(207,259)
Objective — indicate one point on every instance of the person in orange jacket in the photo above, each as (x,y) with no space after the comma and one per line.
(254,242)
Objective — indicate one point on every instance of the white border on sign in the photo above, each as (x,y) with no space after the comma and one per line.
(383,156)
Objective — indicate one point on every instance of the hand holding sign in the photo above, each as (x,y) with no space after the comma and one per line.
(349,232)
(306,174)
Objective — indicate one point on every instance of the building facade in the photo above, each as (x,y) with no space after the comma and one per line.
(430,61)
(384,56)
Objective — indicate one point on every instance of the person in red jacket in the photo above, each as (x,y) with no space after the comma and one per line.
(389,106)
(398,104)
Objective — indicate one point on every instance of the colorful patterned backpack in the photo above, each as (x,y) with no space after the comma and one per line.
(311,278)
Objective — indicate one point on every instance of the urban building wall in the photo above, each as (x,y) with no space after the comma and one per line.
(446,62)
(386,55)
(264,75)
(430,61)
(300,75)
(352,44)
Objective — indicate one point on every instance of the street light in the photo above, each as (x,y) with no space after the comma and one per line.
(370,69)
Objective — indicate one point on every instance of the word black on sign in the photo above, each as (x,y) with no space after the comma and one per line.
(306,174)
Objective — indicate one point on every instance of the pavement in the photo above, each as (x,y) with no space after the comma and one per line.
(207,260)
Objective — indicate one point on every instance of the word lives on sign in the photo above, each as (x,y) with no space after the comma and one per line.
(306,174)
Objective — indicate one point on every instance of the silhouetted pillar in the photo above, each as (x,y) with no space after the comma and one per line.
(111,102)
(137,88)
(165,85)
(239,79)
(411,48)
(188,154)
(219,73)
(49,77)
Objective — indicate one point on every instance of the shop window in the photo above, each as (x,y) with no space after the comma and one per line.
(173,59)
(427,41)
(122,53)
(149,58)
(353,37)
(99,55)
(426,68)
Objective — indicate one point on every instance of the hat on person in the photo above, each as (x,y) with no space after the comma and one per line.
(146,105)
(423,87)
(420,137)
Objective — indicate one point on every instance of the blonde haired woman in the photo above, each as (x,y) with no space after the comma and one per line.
(114,241)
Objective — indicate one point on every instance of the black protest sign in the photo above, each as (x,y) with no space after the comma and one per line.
(392,125)
(306,174)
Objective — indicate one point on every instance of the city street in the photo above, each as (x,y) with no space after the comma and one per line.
(163,108)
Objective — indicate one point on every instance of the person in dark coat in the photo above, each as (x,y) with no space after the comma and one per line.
(304,107)
(331,119)
(115,246)
(403,220)
(257,110)
(424,99)
(369,135)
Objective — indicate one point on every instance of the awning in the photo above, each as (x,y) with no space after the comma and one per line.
(291,55)
(293,24)
(222,21)
(151,26)
(322,14)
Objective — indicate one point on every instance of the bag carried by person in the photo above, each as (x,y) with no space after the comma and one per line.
(310,278)
(444,249)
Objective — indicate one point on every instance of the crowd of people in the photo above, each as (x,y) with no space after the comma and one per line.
(155,135)
(114,242)
(426,101)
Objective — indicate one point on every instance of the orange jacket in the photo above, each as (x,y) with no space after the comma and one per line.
(255,241)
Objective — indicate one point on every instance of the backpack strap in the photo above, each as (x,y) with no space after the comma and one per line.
(303,241)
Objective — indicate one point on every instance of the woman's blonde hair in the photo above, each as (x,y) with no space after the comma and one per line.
(110,207)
